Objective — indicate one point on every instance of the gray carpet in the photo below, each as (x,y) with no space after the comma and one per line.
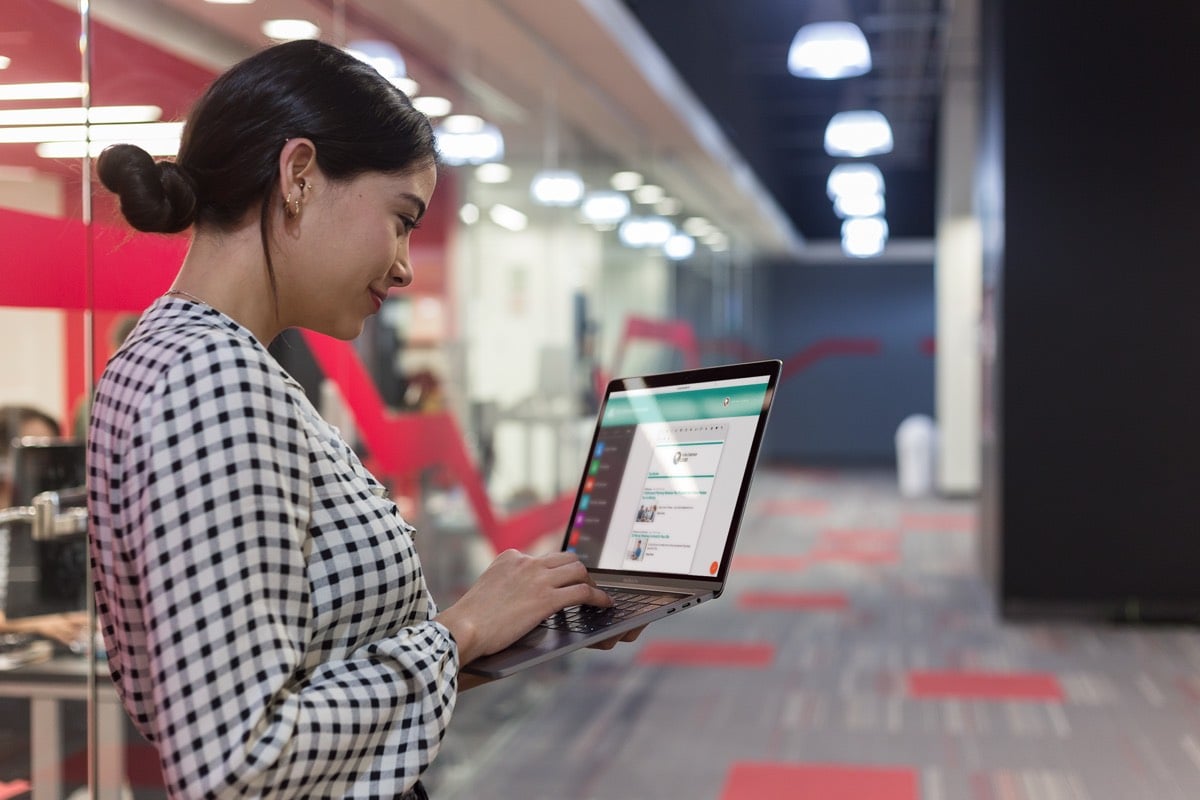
(867,663)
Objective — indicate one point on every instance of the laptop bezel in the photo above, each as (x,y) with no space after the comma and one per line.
(697,584)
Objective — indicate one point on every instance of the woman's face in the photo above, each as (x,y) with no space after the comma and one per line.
(348,247)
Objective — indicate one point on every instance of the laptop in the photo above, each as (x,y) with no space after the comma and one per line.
(659,503)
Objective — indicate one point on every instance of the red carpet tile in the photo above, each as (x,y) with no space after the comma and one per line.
(792,601)
(708,654)
(962,523)
(761,781)
(770,563)
(859,546)
(14,789)
(985,686)
(782,507)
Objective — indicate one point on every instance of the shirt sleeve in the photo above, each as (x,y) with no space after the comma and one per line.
(242,706)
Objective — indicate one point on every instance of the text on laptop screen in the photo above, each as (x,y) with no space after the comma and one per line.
(663,477)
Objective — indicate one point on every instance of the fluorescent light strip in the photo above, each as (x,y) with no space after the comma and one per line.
(79,133)
(41,91)
(155,147)
(97,115)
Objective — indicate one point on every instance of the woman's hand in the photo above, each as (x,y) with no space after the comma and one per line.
(512,596)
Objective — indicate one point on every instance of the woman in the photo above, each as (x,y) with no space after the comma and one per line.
(265,615)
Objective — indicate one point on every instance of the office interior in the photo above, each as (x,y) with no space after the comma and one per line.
(1018,622)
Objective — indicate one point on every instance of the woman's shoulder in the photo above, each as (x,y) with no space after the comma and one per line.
(176,343)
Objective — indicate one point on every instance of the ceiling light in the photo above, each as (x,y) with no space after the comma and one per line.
(462,123)
(669,206)
(384,56)
(407,85)
(4,62)
(432,106)
(97,133)
(557,187)
(854,179)
(679,247)
(286,30)
(469,213)
(697,226)
(469,147)
(858,205)
(42,91)
(645,231)
(625,181)
(493,173)
(863,237)
(858,133)
(605,208)
(508,217)
(77,116)
(77,149)
(648,193)
(829,50)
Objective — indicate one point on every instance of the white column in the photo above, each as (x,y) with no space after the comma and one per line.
(959,261)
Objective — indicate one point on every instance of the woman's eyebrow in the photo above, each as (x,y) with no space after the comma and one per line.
(417,200)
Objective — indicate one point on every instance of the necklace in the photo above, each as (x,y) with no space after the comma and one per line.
(192,297)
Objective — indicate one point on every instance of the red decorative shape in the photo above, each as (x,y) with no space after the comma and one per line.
(405,444)
(748,655)
(985,686)
(792,601)
(774,781)
(757,563)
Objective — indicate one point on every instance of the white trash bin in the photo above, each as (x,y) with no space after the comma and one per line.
(916,453)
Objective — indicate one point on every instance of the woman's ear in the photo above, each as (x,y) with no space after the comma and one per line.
(297,165)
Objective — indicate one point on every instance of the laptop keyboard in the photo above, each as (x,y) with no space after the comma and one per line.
(588,619)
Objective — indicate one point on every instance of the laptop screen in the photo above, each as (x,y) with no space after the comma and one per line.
(668,471)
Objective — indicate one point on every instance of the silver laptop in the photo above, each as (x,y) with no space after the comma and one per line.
(659,503)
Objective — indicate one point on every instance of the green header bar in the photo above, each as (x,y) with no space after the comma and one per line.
(724,401)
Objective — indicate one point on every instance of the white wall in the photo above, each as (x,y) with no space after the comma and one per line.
(31,340)
(31,359)
(515,317)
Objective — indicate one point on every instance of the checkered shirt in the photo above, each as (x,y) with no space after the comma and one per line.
(267,622)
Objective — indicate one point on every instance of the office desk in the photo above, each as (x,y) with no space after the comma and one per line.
(46,685)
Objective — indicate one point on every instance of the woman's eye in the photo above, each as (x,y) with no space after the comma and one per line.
(409,224)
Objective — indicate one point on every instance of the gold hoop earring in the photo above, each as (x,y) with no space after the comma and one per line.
(291,207)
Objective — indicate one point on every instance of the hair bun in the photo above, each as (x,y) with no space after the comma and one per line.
(157,197)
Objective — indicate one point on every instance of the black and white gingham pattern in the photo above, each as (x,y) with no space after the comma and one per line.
(266,618)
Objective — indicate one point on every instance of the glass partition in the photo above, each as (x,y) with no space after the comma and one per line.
(470,396)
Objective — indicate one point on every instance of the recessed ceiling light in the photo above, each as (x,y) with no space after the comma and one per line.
(648,193)
(857,134)
(625,181)
(828,51)
(285,30)
(493,173)
(4,62)
(432,106)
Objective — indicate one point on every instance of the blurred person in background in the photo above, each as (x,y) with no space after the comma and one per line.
(18,422)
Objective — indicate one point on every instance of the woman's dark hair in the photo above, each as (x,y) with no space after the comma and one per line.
(229,155)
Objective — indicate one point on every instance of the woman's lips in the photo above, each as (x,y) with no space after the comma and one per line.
(378,299)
